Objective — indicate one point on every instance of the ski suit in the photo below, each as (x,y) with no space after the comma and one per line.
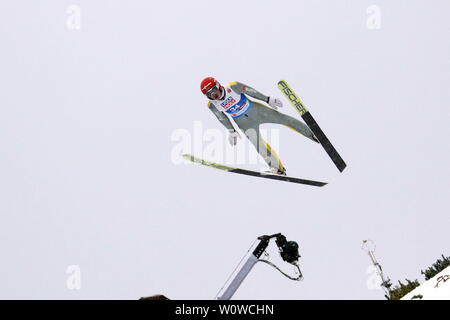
(249,115)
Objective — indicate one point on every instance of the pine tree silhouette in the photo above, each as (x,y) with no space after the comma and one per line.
(401,289)
(437,267)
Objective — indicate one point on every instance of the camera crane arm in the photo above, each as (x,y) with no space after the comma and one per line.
(288,251)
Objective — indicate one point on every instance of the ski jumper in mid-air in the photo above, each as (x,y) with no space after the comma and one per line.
(231,102)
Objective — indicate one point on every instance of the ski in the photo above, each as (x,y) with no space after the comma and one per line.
(312,124)
(251,172)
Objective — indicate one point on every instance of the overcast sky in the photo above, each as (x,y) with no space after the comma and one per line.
(87,118)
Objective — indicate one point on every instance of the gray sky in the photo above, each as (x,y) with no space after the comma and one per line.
(86,119)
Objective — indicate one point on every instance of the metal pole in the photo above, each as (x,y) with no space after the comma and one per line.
(237,281)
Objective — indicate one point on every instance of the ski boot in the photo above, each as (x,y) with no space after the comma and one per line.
(280,172)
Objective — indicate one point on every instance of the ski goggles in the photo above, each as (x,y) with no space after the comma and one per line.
(212,92)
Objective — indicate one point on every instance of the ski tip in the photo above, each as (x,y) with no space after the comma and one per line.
(188,157)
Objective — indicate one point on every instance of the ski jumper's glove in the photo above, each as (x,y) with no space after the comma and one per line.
(233,136)
(274,103)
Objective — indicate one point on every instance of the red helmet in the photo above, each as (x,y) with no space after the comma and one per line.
(208,83)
